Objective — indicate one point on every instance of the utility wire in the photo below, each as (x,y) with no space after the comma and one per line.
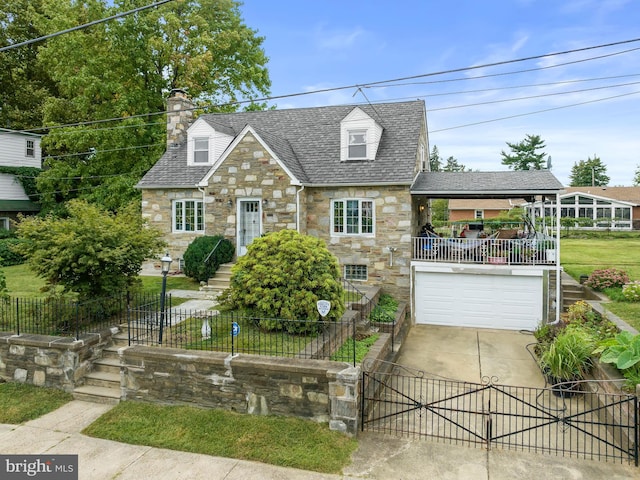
(491,102)
(81,27)
(533,113)
(356,86)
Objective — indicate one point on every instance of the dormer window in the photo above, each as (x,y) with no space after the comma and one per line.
(201,150)
(359,137)
(357,144)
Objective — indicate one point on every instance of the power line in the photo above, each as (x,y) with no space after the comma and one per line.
(533,113)
(491,102)
(358,86)
(81,27)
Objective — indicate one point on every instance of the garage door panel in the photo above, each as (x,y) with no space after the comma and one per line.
(472,300)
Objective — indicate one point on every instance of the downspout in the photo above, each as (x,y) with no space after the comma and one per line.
(204,207)
(558,269)
(298,209)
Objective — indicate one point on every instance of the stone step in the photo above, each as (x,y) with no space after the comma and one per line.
(103,379)
(107,365)
(88,393)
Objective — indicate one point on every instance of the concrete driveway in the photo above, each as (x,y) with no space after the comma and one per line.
(469,354)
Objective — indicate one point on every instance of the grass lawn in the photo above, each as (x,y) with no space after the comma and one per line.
(23,283)
(20,402)
(287,442)
(581,256)
(629,312)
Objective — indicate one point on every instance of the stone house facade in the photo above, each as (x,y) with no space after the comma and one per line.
(342,174)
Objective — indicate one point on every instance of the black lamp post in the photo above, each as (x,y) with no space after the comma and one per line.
(166,264)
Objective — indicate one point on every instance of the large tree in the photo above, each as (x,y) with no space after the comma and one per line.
(636,176)
(24,83)
(526,154)
(125,69)
(91,252)
(589,172)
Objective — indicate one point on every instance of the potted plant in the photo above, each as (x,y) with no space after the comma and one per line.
(567,360)
(495,254)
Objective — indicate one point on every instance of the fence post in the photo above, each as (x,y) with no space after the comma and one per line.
(18,316)
(354,340)
(77,320)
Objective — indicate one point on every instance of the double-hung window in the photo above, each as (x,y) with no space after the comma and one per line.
(201,150)
(30,149)
(357,144)
(188,216)
(353,217)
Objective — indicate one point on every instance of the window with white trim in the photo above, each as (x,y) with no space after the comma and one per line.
(30,150)
(479,214)
(4,223)
(357,144)
(201,150)
(356,272)
(188,216)
(352,217)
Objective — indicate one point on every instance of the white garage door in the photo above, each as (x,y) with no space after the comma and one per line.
(486,301)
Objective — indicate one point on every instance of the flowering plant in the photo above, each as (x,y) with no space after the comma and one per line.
(631,292)
(607,278)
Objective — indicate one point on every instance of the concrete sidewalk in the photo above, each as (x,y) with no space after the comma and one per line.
(377,458)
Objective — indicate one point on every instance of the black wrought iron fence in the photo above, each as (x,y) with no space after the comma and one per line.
(63,317)
(234,333)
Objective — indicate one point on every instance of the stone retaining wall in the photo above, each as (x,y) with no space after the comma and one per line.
(319,390)
(58,362)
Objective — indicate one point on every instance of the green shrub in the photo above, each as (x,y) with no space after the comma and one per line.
(581,314)
(197,252)
(569,354)
(631,292)
(607,278)
(7,256)
(282,276)
(385,310)
(623,351)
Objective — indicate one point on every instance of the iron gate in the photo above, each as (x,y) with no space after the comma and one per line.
(590,425)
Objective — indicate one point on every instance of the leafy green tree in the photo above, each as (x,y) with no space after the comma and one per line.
(636,176)
(91,252)
(452,165)
(282,276)
(440,209)
(589,172)
(126,68)
(201,260)
(435,162)
(24,83)
(525,155)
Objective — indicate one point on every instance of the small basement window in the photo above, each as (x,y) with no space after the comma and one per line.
(356,272)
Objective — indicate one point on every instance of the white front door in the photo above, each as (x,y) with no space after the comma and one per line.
(249,223)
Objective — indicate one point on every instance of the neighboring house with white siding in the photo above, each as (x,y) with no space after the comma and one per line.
(17,149)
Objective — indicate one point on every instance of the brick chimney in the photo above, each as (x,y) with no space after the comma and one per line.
(179,116)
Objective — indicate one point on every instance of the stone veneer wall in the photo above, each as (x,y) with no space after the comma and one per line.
(393,228)
(58,362)
(320,390)
(250,172)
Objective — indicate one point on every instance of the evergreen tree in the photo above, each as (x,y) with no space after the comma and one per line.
(525,155)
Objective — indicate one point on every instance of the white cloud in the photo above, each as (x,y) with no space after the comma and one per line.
(337,39)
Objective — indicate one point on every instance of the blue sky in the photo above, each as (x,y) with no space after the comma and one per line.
(322,44)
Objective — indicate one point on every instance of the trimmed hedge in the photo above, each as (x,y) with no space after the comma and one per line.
(197,252)
(7,256)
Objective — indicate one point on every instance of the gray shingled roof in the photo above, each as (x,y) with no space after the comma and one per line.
(307,141)
(507,184)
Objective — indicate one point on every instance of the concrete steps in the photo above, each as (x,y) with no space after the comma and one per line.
(220,281)
(102,384)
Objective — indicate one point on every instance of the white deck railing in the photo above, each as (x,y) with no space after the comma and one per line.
(521,251)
